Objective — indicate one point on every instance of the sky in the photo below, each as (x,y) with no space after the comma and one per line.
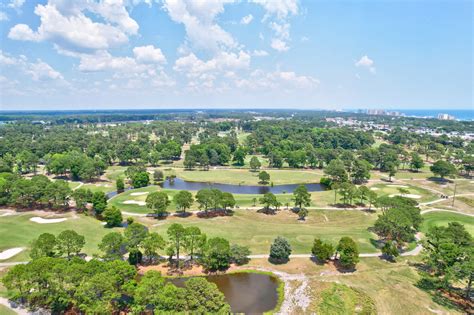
(90,54)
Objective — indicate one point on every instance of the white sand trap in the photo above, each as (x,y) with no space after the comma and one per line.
(407,195)
(401,186)
(46,221)
(134,202)
(139,193)
(10,252)
(374,188)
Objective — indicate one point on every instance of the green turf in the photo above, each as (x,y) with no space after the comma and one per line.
(341,299)
(6,311)
(19,231)
(431,219)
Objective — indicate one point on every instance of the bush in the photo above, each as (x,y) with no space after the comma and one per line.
(280,250)
(239,254)
(113,217)
(321,250)
(326,182)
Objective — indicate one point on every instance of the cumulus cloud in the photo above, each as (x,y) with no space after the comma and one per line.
(277,80)
(3,16)
(16,4)
(366,62)
(65,24)
(246,19)
(281,9)
(149,54)
(198,18)
(279,45)
(42,71)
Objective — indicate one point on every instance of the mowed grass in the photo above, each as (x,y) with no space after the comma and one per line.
(393,189)
(247,177)
(258,230)
(432,219)
(19,231)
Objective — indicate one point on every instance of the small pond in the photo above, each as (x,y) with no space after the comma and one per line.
(248,293)
(181,184)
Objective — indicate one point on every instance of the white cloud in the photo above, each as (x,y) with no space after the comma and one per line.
(277,80)
(198,19)
(246,19)
(7,60)
(279,45)
(282,30)
(259,53)
(3,16)
(42,71)
(280,8)
(366,62)
(16,4)
(149,54)
(65,24)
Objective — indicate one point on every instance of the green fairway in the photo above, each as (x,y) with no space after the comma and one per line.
(417,193)
(19,231)
(431,219)
(258,230)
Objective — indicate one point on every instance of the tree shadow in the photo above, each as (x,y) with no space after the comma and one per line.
(215,213)
(317,261)
(279,261)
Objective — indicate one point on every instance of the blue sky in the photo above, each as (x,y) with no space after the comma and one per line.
(87,54)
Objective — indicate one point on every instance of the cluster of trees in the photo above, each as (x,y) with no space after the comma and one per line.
(398,224)
(350,194)
(346,252)
(39,191)
(78,166)
(106,287)
(449,259)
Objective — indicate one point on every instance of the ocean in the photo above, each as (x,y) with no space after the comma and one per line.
(460,114)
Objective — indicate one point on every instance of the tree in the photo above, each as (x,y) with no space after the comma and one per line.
(140,179)
(239,156)
(302,213)
(371,198)
(321,250)
(390,250)
(99,202)
(348,252)
(113,245)
(158,201)
(336,170)
(95,296)
(280,250)
(227,200)
(120,184)
(69,242)
(204,198)
(135,234)
(204,297)
(268,200)
(448,255)
(217,254)
(348,191)
(113,217)
(264,177)
(301,196)
(255,163)
(239,254)
(416,162)
(194,240)
(360,171)
(176,234)
(399,223)
(82,197)
(443,168)
(151,244)
(43,246)
(183,200)
(391,168)
(158,176)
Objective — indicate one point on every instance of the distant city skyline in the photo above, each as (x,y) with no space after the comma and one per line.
(130,54)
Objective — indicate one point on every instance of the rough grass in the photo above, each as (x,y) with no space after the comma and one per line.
(333,298)
(443,218)
(6,311)
(19,231)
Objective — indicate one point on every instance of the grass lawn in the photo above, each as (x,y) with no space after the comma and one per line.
(19,231)
(443,218)
(392,189)
(246,177)
(258,230)
(6,311)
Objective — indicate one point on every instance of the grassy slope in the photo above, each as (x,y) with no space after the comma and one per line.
(443,218)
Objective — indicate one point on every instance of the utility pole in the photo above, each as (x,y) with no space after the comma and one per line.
(454,195)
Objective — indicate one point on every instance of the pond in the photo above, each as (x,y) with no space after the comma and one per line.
(181,184)
(248,293)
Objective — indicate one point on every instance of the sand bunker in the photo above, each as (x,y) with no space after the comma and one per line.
(134,202)
(46,221)
(374,188)
(10,252)
(407,196)
(401,186)
(6,213)
(139,193)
